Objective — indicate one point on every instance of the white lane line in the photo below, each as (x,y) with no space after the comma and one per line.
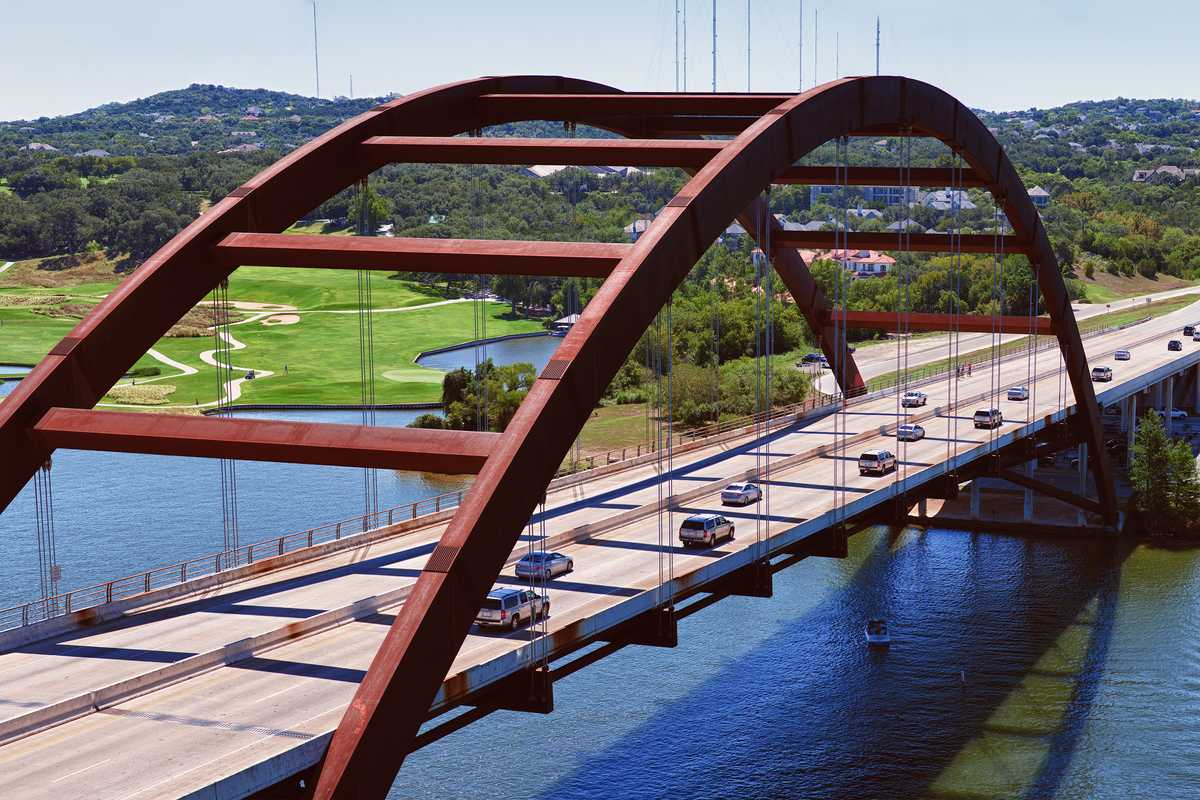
(273,694)
(85,769)
(7,264)
(339,707)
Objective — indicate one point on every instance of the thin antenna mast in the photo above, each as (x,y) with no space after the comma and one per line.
(714,46)
(747,45)
(351,85)
(685,4)
(677,45)
(837,55)
(800,50)
(876,45)
(316,63)
(816,41)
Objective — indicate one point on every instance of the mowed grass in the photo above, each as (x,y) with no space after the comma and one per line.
(322,289)
(322,356)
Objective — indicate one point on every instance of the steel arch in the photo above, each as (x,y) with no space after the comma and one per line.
(772,132)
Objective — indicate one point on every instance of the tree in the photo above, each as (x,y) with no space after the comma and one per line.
(1163,474)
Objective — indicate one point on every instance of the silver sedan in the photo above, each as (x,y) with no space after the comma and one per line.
(544,565)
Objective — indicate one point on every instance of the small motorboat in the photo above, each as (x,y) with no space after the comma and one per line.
(877,633)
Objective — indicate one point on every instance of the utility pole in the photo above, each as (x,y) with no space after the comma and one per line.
(876,45)
(714,46)
(677,45)
(316,63)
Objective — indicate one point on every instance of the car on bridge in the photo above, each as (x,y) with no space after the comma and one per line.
(812,358)
(876,462)
(1174,344)
(1189,330)
(913,399)
(544,565)
(1018,393)
(1101,374)
(1196,338)
(740,494)
(1176,413)
(988,418)
(511,608)
(705,529)
(1122,355)
(910,433)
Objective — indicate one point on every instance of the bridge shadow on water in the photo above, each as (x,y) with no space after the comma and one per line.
(998,647)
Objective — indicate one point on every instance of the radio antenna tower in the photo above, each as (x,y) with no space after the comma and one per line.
(316,63)
(876,46)
(747,45)
(685,5)
(714,88)
(800,51)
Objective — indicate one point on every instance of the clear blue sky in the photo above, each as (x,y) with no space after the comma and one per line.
(65,56)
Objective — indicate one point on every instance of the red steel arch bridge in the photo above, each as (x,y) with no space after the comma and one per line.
(734,147)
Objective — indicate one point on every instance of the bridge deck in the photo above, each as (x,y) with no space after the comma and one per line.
(245,724)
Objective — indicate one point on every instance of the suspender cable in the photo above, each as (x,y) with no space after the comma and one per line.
(223,361)
(903,320)
(952,339)
(366,355)
(768,394)
(48,569)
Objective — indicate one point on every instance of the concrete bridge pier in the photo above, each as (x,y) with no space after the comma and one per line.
(1169,404)
(1083,475)
(975,499)
(1027,511)
(1130,418)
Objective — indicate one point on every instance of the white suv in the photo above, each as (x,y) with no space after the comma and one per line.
(509,608)
(705,529)
(877,462)
(913,399)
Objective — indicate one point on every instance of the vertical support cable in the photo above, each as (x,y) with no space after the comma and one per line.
(48,569)
(366,355)
(223,364)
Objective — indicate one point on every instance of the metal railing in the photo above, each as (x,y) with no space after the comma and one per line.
(211,564)
(202,566)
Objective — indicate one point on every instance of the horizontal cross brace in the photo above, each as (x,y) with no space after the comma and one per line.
(446,452)
(555,106)
(880,176)
(1070,498)
(920,321)
(454,256)
(578,152)
(914,242)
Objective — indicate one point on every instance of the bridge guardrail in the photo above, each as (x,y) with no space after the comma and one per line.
(25,614)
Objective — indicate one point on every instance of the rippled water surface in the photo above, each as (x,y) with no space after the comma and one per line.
(535,349)
(1018,669)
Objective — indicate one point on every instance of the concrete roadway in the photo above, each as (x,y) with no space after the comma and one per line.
(878,358)
(187,736)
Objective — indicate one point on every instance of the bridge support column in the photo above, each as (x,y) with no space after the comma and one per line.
(1196,391)
(1132,427)
(975,499)
(1080,516)
(1169,405)
(1157,399)
(655,628)
(1027,510)
(530,690)
(923,508)
(752,580)
(831,543)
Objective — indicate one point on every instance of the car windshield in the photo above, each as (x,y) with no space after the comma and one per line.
(694,524)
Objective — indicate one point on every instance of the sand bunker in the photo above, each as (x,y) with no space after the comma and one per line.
(282,319)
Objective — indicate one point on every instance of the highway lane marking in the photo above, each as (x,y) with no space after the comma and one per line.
(85,769)
(176,776)
(273,694)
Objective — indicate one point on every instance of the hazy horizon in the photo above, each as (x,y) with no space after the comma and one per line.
(1028,56)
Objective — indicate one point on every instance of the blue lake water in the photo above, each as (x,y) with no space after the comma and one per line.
(535,349)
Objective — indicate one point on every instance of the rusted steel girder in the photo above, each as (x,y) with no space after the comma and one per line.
(456,256)
(880,176)
(411,663)
(579,152)
(966,323)
(915,242)
(440,451)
